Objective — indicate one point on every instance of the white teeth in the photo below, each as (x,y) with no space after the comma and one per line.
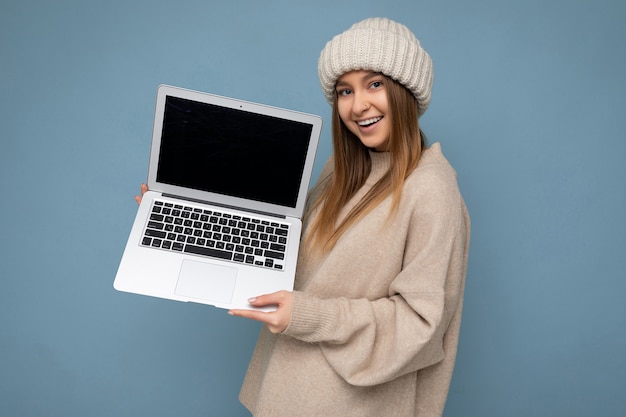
(369,121)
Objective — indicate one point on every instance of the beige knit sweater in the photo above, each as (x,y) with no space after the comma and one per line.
(375,324)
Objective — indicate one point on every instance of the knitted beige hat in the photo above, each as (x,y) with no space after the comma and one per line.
(380,45)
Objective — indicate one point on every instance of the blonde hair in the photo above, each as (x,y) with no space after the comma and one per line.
(352,166)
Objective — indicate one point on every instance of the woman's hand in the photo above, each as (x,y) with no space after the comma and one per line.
(144,188)
(276,321)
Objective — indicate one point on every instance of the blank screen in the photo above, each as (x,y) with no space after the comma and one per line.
(233,152)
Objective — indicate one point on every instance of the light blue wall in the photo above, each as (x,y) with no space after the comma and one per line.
(529,104)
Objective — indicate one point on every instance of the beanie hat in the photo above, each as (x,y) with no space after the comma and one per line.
(379,45)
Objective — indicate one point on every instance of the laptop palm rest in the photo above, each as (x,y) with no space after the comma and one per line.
(202,280)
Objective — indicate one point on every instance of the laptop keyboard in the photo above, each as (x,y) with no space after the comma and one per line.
(215,234)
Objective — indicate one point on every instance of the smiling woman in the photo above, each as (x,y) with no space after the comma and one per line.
(400,135)
(373,321)
(362,104)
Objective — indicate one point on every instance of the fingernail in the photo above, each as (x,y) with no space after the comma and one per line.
(252,300)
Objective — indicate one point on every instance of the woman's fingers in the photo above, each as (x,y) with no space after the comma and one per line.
(143,189)
(278,320)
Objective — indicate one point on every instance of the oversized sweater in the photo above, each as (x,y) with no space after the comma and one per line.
(375,322)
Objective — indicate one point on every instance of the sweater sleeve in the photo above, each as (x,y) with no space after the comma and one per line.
(369,342)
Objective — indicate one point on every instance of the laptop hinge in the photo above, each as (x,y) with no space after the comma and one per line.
(226,206)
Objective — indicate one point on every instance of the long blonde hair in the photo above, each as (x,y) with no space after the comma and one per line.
(352,166)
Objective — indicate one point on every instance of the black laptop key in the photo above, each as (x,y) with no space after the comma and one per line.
(155,225)
(274,255)
(282,232)
(155,233)
(277,247)
(202,250)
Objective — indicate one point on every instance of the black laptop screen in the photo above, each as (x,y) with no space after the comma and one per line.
(232,152)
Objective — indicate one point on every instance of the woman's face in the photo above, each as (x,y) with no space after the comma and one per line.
(364,108)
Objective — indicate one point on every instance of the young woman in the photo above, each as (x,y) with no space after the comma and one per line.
(372,326)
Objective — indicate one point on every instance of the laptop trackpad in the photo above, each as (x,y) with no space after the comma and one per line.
(206,281)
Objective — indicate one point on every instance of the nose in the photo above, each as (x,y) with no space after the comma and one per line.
(360,103)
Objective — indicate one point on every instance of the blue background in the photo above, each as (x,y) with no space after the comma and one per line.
(529,104)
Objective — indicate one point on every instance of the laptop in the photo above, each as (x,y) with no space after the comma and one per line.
(221,222)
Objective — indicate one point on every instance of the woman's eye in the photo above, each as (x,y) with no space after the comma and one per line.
(376,84)
(344,92)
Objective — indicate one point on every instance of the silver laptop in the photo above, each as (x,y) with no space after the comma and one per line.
(227,181)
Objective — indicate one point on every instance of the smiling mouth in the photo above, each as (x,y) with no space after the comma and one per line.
(369,122)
